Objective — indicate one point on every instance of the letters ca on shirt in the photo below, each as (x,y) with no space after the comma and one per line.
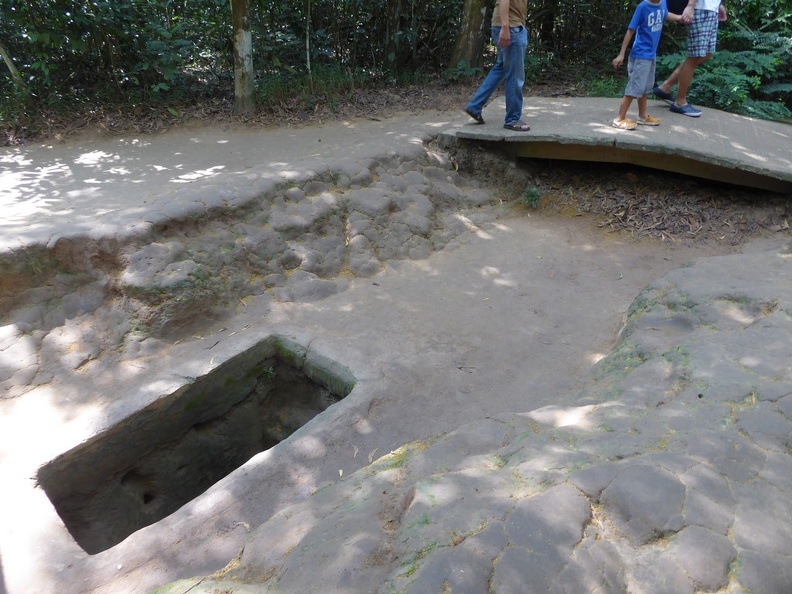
(655,20)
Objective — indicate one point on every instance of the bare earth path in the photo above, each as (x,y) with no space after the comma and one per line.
(509,315)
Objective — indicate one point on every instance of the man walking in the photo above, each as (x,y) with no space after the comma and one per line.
(511,37)
(702,17)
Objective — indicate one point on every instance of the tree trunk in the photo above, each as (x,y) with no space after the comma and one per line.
(544,21)
(308,46)
(14,72)
(243,57)
(393,12)
(473,34)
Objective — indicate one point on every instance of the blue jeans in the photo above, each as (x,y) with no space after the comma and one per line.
(509,66)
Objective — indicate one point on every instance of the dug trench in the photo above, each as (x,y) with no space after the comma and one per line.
(302,241)
(298,243)
(87,301)
(163,456)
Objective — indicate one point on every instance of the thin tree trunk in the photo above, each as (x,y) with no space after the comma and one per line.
(243,57)
(308,47)
(392,43)
(14,72)
(473,33)
(545,22)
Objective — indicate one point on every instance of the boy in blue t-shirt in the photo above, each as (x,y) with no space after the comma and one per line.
(647,25)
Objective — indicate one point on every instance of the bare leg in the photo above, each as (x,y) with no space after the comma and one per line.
(672,79)
(624,106)
(685,77)
(642,107)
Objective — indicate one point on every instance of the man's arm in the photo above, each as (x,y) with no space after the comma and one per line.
(687,14)
(505,34)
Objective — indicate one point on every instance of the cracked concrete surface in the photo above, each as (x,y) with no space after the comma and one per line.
(680,486)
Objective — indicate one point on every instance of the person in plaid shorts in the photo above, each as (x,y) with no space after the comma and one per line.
(702,17)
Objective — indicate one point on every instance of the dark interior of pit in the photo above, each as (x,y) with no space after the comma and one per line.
(152,463)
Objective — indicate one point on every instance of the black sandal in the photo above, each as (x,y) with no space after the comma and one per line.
(476,116)
(517,127)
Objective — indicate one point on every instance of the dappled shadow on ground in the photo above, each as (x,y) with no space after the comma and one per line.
(453,368)
(657,480)
(231,510)
(412,531)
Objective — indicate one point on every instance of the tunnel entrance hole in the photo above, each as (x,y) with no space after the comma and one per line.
(153,462)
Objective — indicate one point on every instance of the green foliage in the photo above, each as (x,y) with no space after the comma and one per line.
(84,52)
(326,82)
(607,86)
(766,110)
(531,197)
(462,71)
(780,88)
(723,87)
(13,105)
(268,375)
(767,16)
(76,50)
(538,65)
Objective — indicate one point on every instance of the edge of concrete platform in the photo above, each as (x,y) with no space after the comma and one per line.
(716,146)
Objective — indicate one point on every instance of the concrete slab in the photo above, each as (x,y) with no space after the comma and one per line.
(717,146)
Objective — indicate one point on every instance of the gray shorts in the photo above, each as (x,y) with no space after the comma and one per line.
(640,77)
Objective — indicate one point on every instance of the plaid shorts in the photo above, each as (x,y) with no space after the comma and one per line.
(702,34)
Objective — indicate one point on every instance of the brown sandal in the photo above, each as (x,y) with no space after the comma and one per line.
(517,127)
(476,116)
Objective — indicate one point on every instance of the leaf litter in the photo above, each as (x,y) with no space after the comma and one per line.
(664,206)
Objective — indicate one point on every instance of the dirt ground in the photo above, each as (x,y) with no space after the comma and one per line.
(620,198)
(372,103)
(511,318)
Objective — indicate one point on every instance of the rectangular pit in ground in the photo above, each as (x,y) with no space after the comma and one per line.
(156,460)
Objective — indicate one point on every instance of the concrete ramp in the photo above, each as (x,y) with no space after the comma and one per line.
(717,146)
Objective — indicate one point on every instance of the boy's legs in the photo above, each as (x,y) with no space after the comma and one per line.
(640,78)
(645,76)
(624,107)
(642,107)
(621,120)
(514,65)
(492,80)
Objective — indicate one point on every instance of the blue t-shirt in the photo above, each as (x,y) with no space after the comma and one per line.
(647,22)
